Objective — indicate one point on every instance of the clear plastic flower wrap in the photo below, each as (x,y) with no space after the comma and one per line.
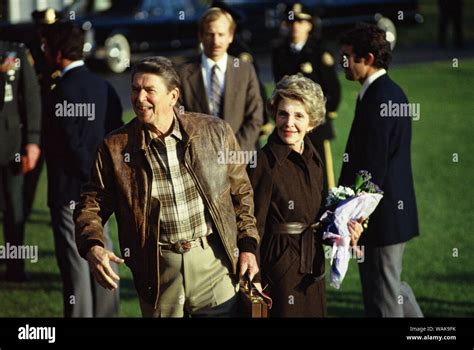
(345,204)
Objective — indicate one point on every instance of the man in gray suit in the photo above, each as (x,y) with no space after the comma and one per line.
(222,85)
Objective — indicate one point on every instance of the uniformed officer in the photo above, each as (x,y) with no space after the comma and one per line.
(19,140)
(47,78)
(300,52)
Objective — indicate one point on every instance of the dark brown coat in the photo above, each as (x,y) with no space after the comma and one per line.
(287,188)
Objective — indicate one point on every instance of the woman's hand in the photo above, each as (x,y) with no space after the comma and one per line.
(355,229)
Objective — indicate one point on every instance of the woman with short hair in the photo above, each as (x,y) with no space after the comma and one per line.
(287,182)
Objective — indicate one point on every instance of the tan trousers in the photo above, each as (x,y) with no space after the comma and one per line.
(197,283)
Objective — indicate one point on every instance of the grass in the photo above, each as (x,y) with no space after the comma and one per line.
(427,32)
(443,282)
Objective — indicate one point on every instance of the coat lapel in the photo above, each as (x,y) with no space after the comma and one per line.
(231,88)
(197,86)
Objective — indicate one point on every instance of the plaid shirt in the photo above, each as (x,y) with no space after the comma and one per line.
(182,211)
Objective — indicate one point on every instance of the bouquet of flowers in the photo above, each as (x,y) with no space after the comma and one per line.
(344,204)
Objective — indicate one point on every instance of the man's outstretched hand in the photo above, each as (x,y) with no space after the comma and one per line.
(99,262)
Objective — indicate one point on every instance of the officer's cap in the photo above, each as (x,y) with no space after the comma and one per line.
(297,12)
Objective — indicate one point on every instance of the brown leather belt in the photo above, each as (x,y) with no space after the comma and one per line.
(184,246)
(306,231)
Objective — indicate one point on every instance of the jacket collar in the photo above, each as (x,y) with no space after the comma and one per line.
(71,66)
(176,132)
(233,83)
(369,81)
(138,137)
(309,46)
(196,83)
(281,151)
(207,63)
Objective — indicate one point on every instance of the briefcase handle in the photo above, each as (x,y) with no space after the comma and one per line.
(253,290)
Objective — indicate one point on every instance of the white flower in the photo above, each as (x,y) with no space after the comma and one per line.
(337,231)
(337,194)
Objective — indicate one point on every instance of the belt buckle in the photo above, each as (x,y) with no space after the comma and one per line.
(182,246)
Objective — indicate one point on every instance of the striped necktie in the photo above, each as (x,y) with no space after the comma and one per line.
(216,96)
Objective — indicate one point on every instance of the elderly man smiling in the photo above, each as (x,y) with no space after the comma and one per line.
(186,222)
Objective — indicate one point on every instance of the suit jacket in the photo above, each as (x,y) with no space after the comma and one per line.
(242,102)
(20,117)
(71,141)
(381,145)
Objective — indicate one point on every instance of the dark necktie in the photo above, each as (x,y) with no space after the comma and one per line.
(216,96)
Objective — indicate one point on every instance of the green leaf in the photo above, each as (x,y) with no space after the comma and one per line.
(359,181)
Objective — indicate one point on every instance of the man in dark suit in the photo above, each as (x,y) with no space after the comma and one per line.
(84,108)
(19,134)
(222,85)
(47,78)
(379,142)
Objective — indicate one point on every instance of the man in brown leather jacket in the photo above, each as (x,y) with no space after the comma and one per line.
(186,220)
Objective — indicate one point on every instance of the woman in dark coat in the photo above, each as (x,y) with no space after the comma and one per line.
(287,182)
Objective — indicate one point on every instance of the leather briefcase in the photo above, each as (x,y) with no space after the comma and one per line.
(253,303)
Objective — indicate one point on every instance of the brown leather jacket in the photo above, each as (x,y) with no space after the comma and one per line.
(121,183)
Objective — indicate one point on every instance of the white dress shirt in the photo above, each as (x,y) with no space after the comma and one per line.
(369,81)
(298,46)
(72,65)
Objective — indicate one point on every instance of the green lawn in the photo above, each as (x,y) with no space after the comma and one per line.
(443,283)
(426,33)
